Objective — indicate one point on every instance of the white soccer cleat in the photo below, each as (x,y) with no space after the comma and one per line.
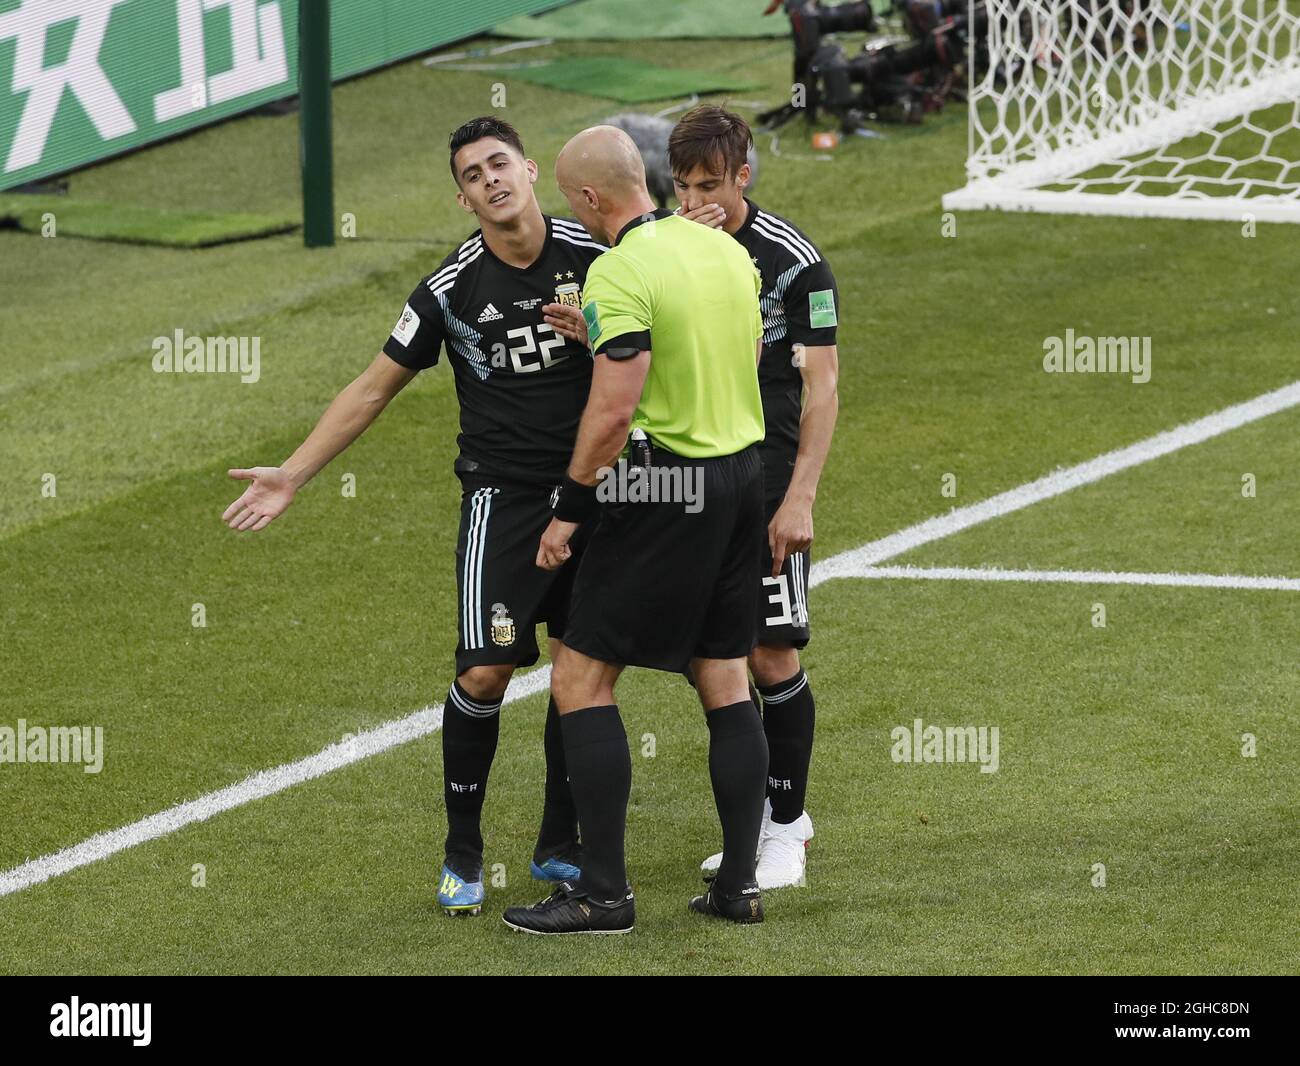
(711,864)
(783,853)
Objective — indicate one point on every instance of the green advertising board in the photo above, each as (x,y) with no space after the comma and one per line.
(84,79)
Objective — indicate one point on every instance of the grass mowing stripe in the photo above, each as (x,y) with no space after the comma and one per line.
(628,81)
(428,719)
(849,563)
(257,786)
(135,224)
(247,319)
(1081,577)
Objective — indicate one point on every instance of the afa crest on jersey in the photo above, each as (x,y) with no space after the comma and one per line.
(503,626)
(569,293)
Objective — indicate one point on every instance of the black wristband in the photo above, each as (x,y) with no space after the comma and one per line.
(575,502)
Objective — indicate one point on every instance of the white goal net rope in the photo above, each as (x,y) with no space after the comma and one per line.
(1173,108)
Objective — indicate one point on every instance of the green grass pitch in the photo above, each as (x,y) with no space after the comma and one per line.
(1119,745)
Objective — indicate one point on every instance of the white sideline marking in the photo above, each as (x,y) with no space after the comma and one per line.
(428,719)
(849,563)
(1081,577)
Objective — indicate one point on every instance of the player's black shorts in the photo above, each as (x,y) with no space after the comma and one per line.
(659,585)
(783,600)
(503,593)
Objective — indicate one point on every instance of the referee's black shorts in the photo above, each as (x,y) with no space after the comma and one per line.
(659,585)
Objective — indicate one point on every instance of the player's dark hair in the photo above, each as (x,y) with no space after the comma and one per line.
(707,136)
(476,129)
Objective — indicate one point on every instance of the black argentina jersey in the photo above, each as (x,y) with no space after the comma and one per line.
(521,385)
(800,305)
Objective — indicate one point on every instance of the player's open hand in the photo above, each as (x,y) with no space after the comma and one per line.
(271,491)
(711,215)
(567,321)
(554,551)
(790,531)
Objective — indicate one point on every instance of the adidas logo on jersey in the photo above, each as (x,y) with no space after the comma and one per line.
(490,314)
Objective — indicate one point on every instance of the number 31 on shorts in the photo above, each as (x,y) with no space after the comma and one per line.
(789,611)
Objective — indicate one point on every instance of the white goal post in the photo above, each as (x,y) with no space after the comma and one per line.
(1145,108)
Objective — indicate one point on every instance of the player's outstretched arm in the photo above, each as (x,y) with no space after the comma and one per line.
(273,487)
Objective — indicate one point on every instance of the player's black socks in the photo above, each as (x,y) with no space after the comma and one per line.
(788,719)
(737,768)
(559,830)
(600,778)
(469,741)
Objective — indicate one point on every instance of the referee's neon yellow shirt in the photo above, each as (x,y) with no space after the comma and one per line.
(694,291)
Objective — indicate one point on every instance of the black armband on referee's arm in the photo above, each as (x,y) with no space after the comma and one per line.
(575,502)
(625,345)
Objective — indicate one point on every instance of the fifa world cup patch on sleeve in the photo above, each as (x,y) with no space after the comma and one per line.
(592,317)
(821,309)
(406,327)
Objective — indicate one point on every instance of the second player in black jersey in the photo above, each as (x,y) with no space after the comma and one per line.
(504,306)
(797,375)
(798,302)
(521,384)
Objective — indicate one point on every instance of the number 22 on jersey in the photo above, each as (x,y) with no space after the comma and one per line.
(532,353)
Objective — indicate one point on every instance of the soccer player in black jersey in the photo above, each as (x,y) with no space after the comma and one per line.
(505,304)
(797,375)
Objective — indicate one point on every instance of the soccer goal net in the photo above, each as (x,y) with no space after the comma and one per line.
(1158,108)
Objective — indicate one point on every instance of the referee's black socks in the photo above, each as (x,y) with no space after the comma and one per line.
(788,719)
(738,770)
(469,742)
(600,779)
(559,831)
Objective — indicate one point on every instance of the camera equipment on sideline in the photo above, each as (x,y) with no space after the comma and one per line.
(887,79)
(809,20)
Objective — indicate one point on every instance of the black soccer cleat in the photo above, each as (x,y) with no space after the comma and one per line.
(743,908)
(567,911)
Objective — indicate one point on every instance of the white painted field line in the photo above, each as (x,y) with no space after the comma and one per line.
(850,563)
(425,721)
(1081,577)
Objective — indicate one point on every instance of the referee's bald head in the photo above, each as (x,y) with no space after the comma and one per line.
(603,158)
(602,176)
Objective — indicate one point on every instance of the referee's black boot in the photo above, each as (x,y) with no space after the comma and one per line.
(568,910)
(744,907)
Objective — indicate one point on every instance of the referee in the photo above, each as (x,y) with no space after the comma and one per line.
(674,325)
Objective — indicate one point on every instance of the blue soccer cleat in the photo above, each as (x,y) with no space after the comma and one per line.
(555,869)
(457,896)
